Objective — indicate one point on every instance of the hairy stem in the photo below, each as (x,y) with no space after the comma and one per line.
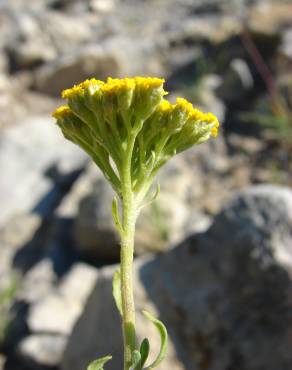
(127,252)
(128,306)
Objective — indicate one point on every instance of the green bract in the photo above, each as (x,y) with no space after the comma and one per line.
(129,130)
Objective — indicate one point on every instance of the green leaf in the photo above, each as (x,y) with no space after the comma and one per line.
(155,195)
(152,198)
(163,337)
(136,360)
(144,351)
(116,217)
(117,291)
(153,157)
(99,363)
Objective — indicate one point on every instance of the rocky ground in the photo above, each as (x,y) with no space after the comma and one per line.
(57,238)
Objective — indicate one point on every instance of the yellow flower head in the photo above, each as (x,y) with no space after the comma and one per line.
(184,105)
(165,106)
(213,120)
(61,112)
(69,93)
(148,82)
(91,83)
(116,85)
(81,88)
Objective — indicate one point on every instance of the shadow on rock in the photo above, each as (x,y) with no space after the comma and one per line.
(224,295)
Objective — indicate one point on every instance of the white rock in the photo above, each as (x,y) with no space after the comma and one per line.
(2,362)
(58,312)
(27,151)
(16,233)
(263,212)
(38,282)
(103,6)
(89,61)
(81,188)
(66,31)
(286,46)
(41,350)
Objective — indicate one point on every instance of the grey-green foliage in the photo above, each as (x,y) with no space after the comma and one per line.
(140,357)
(98,364)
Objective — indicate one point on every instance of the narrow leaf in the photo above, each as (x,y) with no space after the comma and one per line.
(157,192)
(115,213)
(163,337)
(99,363)
(144,350)
(136,360)
(117,291)
(152,198)
(153,157)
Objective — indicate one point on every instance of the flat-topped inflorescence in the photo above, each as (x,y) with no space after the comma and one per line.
(109,119)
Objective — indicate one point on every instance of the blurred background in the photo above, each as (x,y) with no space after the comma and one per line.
(214,251)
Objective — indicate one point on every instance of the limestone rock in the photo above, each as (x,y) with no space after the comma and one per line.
(263,213)
(273,16)
(65,301)
(41,350)
(28,46)
(16,233)
(160,224)
(31,54)
(113,57)
(94,228)
(81,188)
(176,178)
(103,6)
(92,61)
(237,82)
(59,26)
(286,47)
(39,282)
(2,362)
(28,153)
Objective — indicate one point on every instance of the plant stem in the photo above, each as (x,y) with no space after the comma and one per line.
(128,306)
(127,252)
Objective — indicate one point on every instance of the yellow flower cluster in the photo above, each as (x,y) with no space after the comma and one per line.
(210,118)
(79,89)
(193,113)
(61,111)
(114,85)
(69,93)
(148,82)
(165,106)
(105,118)
(90,83)
(141,85)
(184,105)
